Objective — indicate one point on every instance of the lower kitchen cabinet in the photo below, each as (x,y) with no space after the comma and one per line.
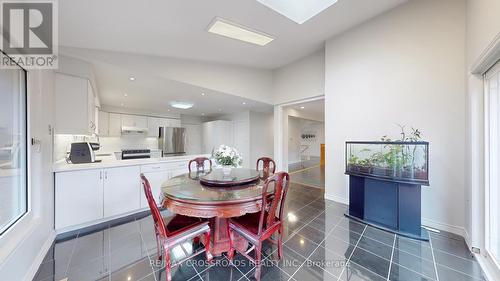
(121,190)
(79,197)
(87,197)
(156,179)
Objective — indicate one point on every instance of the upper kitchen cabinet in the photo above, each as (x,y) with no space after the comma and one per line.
(74,105)
(155,122)
(110,124)
(134,121)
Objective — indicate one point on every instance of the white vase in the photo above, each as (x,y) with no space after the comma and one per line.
(226,170)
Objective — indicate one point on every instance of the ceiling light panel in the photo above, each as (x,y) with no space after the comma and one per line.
(298,11)
(181,105)
(235,31)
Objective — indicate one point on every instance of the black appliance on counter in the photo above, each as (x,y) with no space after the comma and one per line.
(83,152)
(135,153)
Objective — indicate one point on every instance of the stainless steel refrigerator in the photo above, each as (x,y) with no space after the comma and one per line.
(172,141)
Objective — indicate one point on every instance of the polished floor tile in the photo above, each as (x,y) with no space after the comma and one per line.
(320,243)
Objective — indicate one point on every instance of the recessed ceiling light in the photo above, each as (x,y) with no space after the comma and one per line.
(202,94)
(302,107)
(181,104)
(235,31)
(125,95)
(131,78)
(298,11)
(243,103)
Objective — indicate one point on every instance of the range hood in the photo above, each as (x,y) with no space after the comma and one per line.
(133,130)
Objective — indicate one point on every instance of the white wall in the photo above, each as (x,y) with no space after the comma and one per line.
(483,28)
(301,79)
(261,136)
(25,244)
(194,133)
(299,126)
(405,66)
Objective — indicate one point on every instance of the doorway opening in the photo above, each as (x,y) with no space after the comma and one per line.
(304,142)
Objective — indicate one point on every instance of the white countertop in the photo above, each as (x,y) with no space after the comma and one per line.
(112,162)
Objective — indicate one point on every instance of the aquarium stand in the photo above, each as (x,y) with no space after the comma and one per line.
(393,206)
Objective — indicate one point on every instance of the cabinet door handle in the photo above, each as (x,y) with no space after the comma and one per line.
(106,175)
(100,175)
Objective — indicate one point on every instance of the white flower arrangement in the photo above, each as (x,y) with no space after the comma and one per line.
(227,156)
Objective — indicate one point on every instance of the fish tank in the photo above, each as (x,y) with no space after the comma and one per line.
(406,162)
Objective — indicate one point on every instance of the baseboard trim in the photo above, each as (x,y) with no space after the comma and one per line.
(30,274)
(337,199)
(458,230)
(489,269)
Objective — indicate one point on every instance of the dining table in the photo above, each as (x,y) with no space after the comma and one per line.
(216,196)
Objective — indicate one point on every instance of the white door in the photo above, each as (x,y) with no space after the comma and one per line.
(79,197)
(156,179)
(121,190)
(492,192)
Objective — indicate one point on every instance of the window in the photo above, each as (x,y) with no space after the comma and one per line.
(492,199)
(13,146)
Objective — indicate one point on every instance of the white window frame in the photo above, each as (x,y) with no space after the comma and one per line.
(490,165)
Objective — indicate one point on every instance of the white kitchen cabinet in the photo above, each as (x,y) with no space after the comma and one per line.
(103,123)
(74,105)
(121,190)
(134,121)
(155,122)
(115,125)
(79,197)
(156,179)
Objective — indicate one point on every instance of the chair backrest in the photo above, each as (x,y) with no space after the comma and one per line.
(155,212)
(200,163)
(281,182)
(266,163)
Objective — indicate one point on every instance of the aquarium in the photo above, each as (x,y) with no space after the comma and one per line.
(398,161)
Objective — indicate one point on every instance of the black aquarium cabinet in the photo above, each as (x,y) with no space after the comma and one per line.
(385,180)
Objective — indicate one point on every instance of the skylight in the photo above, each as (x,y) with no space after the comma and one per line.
(228,29)
(299,11)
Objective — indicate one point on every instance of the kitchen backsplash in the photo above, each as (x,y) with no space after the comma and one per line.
(62,143)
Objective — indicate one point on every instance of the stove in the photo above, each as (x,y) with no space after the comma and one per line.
(135,153)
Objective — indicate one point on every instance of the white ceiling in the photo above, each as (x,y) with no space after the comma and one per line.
(314,109)
(176,28)
(153,93)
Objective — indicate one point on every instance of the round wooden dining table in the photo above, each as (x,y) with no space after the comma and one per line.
(236,195)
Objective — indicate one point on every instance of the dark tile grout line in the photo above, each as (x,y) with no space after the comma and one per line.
(392,256)
(433,258)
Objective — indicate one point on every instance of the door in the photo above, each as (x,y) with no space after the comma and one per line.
(121,190)
(492,155)
(79,197)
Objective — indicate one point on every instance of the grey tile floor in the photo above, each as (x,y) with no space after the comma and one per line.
(320,244)
(312,176)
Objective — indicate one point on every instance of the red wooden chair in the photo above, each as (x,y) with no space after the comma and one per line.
(200,163)
(258,227)
(266,165)
(171,232)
